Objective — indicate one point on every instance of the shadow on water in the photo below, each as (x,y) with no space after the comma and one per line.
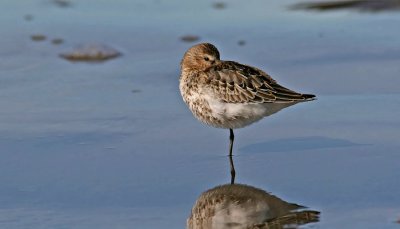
(243,206)
(296,144)
(371,6)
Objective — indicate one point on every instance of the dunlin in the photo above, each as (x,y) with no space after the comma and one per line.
(230,95)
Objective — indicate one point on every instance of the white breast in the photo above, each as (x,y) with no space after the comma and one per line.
(238,115)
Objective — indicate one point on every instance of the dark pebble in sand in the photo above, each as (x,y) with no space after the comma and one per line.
(38,37)
(360,5)
(57,41)
(28,17)
(190,38)
(136,91)
(241,42)
(219,5)
(91,53)
(62,3)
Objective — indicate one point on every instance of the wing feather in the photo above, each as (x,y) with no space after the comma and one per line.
(238,83)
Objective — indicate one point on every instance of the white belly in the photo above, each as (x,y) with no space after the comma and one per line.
(217,113)
(238,115)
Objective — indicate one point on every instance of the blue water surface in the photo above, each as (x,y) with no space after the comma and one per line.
(112,145)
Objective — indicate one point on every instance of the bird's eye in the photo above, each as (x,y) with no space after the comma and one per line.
(206,58)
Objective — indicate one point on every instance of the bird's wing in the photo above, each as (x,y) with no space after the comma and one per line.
(238,83)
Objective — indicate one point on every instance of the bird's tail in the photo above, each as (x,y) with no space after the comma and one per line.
(309,97)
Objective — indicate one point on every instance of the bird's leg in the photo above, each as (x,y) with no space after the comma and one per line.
(231,138)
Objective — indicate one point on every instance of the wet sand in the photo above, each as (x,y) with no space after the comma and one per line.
(81,150)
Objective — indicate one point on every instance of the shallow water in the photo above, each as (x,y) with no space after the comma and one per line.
(112,145)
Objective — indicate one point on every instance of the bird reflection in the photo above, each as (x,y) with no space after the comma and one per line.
(239,206)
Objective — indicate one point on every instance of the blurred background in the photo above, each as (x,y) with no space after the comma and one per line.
(94,133)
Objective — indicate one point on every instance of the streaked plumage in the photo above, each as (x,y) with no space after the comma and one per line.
(227,94)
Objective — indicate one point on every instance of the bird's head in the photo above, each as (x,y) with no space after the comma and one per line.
(200,57)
